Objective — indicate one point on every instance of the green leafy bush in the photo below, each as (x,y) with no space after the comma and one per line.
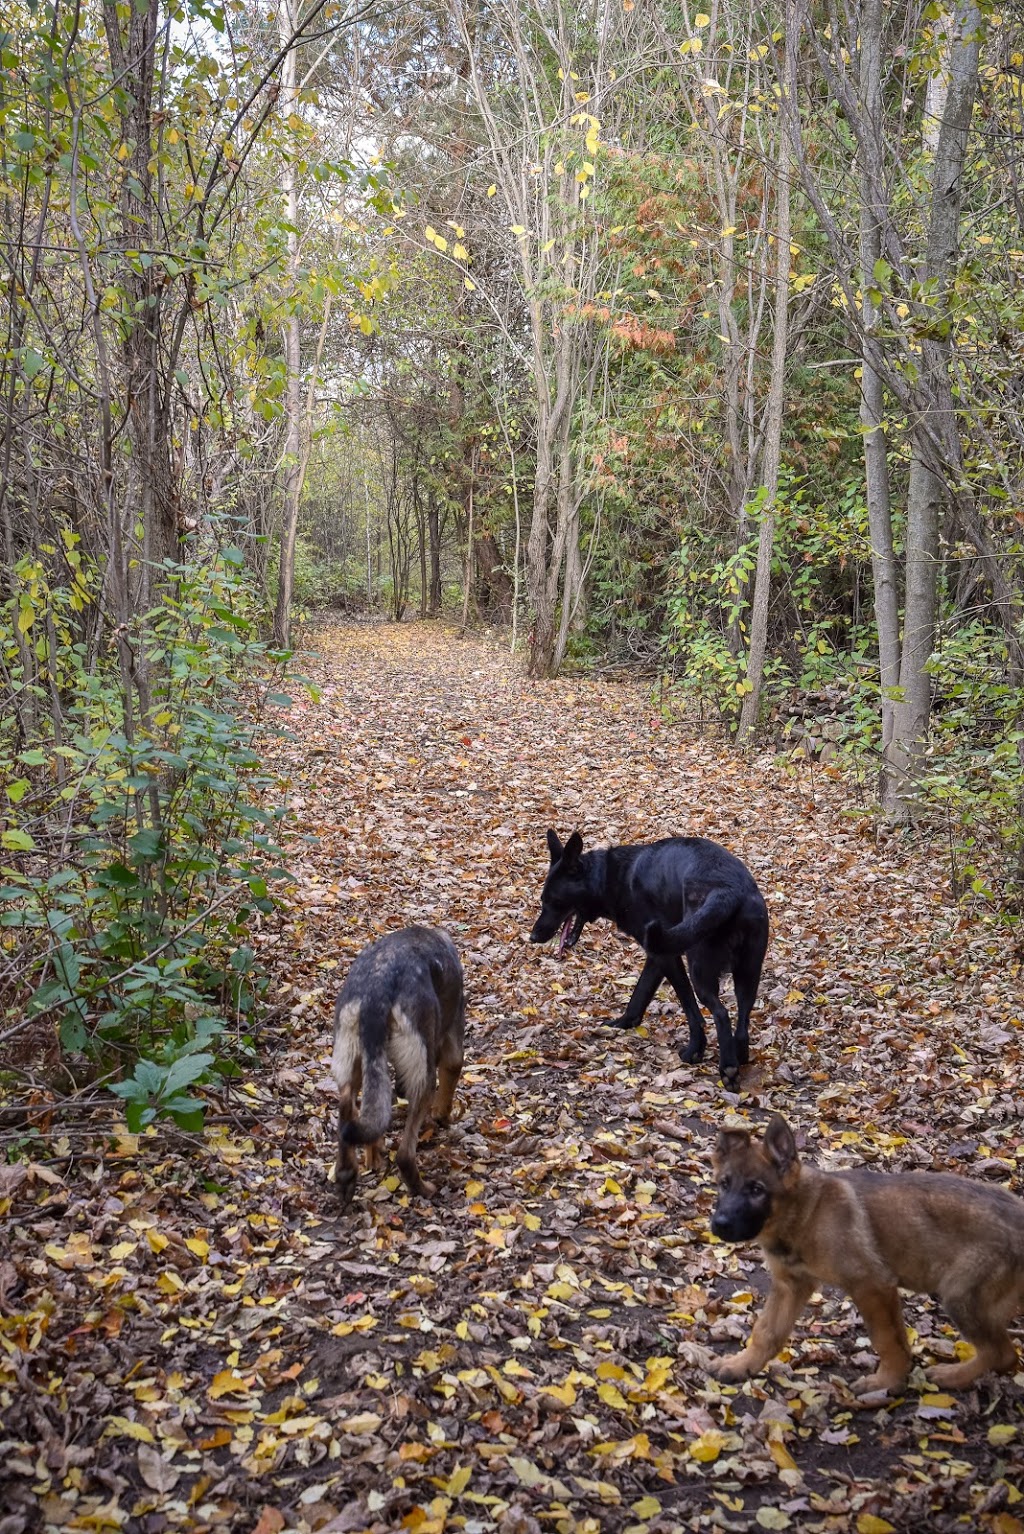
(138,837)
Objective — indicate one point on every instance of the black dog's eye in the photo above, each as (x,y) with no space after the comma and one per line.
(723,1182)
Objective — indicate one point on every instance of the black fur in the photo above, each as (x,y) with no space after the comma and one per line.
(680,896)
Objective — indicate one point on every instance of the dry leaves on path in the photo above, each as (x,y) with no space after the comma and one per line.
(193,1337)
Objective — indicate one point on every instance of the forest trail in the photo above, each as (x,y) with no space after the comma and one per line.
(200,1340)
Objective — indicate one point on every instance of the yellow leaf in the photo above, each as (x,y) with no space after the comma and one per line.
(606,1370)
(474,1189)
(458,1480)
(431,233)
(772,1518)
(1001,1434)
(125,1428)
(227,1383)
(647,1507)
(495,1237)
(612,1397)
(781,1455)
(658,1374)
(415,1451)
(198,1247)
(460,252)
(491,190)
(518,229)
(708,1446)
(361,1424)
(565,1393)
(469,284)
(700,20)
(867,1523)
(528,1473)
(156,1239)
(170,1283)
(122,1249)
(938,1399)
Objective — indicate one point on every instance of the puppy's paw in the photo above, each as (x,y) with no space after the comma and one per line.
(883,1382)
(731,1369)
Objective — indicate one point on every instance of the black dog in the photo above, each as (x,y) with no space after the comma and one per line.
(682,895)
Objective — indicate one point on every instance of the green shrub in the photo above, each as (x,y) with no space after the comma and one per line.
(138,839)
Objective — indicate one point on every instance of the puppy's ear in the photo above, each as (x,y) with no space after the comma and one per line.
(555,848)
(573,847)
(779,1143)
(730,1142)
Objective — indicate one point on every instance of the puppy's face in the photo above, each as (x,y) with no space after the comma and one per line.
(749,1175)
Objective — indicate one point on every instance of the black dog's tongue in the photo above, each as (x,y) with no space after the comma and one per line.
(565,941)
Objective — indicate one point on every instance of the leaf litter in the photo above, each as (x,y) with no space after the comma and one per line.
(192,1336)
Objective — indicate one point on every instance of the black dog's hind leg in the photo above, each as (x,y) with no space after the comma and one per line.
(693,1050)
(746,976)
(705,972)
(651,976)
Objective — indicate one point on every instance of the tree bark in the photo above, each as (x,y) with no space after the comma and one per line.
(294,464)
(873,216)
(776,398)
(934,429)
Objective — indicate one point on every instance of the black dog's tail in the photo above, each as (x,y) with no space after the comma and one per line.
(719,907)
(376,1098)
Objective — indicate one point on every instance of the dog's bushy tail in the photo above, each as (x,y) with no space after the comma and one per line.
(720,907)
(376,1098)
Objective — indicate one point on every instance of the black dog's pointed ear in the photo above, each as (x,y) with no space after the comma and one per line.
(779,1142)
(573,847)
(555,847)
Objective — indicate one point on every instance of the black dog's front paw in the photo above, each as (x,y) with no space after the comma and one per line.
(731,1078)
(692,1053)
(625,1021)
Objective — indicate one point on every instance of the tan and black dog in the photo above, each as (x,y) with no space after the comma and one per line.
(871,1234)
(402,1002)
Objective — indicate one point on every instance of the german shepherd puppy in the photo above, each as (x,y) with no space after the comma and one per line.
(871,1234)
(402,1001)
(682,895)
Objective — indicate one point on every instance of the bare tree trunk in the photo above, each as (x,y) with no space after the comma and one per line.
(934,424)
(292,339)
(132,35)
(776,398)
(434,531)
(873,215)
(467,577)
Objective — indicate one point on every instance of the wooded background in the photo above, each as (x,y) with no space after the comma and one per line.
(674,339)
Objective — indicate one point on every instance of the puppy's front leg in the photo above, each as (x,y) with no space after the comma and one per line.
(883,1316)
(786,1300)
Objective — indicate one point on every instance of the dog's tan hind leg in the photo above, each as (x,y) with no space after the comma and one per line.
(419,1107)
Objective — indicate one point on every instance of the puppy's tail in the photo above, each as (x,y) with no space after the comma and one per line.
(376,1099)
(719,907)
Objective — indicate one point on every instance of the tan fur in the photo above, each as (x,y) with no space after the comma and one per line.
(871,1235)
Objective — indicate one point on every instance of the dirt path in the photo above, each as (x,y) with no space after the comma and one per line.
(194,1338)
